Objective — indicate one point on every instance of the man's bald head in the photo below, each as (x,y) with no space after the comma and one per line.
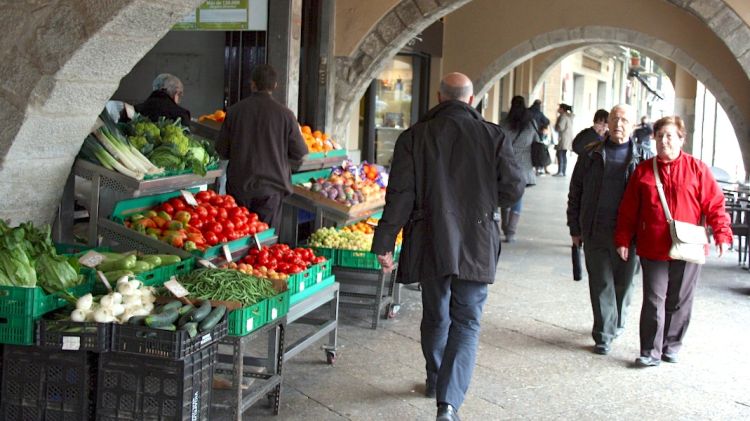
(456,86)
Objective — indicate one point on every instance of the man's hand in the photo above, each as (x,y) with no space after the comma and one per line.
(623,252)
(577,241)
(386,261)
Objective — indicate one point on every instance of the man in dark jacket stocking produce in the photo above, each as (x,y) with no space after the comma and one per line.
(262,140)
(450,173)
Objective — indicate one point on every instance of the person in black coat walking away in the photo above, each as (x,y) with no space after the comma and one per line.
(164,100)
(592,134)
(541,123)
(451,239)
(596,189)
(522,134)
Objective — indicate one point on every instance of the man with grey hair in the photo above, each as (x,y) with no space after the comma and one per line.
(164,100)
(451,240)
(596,189)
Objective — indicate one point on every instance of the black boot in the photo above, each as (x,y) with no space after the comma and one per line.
(510,229)
(446,412)
(504,218)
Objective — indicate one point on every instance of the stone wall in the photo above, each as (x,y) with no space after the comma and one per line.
(60,62)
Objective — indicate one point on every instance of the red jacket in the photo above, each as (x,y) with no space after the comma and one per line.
(690,190)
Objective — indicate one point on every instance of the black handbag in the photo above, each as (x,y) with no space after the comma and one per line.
(539,154)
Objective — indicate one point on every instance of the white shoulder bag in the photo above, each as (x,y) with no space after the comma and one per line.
(688,240)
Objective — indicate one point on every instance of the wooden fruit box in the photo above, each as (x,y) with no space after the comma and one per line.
(338,206)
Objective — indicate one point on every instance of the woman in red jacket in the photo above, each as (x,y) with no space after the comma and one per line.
(668,285)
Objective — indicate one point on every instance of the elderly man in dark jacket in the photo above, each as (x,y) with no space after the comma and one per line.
(164,100)
(596,189)
(263,143)
(450,173)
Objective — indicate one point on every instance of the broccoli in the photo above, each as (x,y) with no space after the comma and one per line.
(175,138)
(147,129)
(139,142)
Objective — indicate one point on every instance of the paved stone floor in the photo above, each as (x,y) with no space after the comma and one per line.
(535,359)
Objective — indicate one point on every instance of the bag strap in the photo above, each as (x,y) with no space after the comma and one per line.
(663,199)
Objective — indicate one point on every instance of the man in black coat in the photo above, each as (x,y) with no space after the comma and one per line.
(263,143)
(164,100)
(450,173)
(596,189)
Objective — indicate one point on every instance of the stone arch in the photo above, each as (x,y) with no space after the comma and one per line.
(356,71)
(621,36)
(63,60)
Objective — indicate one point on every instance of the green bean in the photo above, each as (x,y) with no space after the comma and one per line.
(227,285)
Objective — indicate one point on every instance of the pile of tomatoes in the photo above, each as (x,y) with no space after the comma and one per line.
(282,258)
(216,219)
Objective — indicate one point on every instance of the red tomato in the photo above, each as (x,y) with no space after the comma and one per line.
(223,239)
(167,207)
(217,200)
(294,269)
(253,252)
(262,226)
(251,217)
(203,196)
(228,225)
(197,223)
(215,227)
(178,203)
(319,259)
(221,213)
(211,238)
(212,211)
(202,211)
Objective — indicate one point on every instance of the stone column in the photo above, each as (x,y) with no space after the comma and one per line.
(492,112)
(284,33)
(685,87)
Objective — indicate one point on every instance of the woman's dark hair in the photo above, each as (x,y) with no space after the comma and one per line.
(673,120)
(518,116)
(601,115)
(264,77)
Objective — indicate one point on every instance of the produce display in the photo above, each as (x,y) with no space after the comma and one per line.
(317,141)
(117,265)
(169,145)
(142,148)
(368,227)
(216,219)
(28,259)
(217,116)
(344,240)
(227,285)
(277,261)
(350,184)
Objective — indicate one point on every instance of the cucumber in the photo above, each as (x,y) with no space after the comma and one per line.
(109,255)
(212,319)
(165,318)
(141,266)
(114,275)
(153,260)
(168,259)
(191,328)
(187,308)
(201,312)
(172,305)
(185,319)
(125,263)
(170,328)
(137,320)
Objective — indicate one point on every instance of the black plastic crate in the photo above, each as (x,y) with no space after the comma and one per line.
(177,345)
(39,384)
(67,335)
(143,388)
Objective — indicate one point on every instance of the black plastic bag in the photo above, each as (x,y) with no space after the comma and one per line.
(576,257)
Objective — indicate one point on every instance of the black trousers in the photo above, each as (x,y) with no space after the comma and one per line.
(668,291)
(267,207)
(610,286)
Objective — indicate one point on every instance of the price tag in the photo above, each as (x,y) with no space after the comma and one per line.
(227,252)
(301,287)
(189,198)
(205,339)
(257,242)
(91,259)
(206,264)
(104,280)
(274,313)
(372,222)
(71,343)
(250,324)
(320,278)
(176,288)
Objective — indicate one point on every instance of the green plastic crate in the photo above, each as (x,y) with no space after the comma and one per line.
(18,330)
(126,207)
(35,302)
(173,173)
(299,281)
(304,177)
(155,277)
(325,269)
(237,244)
(72,249)
(278,306)
(361,259)
(330,254)
(248,319)
(324,283)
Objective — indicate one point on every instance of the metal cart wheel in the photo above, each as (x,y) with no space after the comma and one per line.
(391,311)
(331,357)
